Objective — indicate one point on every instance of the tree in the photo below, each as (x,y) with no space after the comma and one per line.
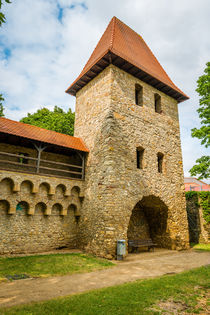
(1,106)
(202,167)
(2,16)
(56,120)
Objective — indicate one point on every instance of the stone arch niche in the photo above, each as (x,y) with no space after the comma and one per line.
(72,207)
(75,191)
(26,187)
(4,206)
(6,186)
(40,208)
(44,189)
(57,209)
(60,191)
(22,208)
(149,219)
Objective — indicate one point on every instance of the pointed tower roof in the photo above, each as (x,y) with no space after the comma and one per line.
(126,49)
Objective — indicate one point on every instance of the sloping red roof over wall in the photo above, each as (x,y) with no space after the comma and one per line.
(122,41)
(19,129)
(193,180)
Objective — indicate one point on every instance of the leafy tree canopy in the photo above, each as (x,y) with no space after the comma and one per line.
(2,16)
(56,120)
(1,106)
(202,168)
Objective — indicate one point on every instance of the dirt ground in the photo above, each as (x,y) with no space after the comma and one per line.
(135,266)
(171,307)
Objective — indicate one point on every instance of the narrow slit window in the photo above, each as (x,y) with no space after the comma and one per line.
(138,95)
(139,157)
(160,162)
(158,108)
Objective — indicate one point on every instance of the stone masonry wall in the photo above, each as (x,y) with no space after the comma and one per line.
(138,226)
(113,126)
(38,213)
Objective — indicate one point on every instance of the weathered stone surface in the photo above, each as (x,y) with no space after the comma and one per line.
(113,126)
(117,200)
(33,220)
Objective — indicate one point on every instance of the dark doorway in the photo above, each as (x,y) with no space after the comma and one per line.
(149,220)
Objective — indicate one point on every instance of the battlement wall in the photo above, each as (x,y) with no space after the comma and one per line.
(38,213)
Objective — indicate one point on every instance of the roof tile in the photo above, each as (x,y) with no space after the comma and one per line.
(39,134)
(121,40)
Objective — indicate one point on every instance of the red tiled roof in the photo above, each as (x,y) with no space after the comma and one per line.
(39,134)
(122,41)
(193,180)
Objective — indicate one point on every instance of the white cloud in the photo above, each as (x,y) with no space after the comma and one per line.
(40,55)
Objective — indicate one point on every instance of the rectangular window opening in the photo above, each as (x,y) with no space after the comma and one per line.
(160,162)
(138,95)
(158,108)
(139,157)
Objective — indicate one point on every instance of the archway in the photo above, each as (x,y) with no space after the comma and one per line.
(149,220)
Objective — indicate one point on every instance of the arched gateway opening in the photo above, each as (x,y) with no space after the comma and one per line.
(149,220)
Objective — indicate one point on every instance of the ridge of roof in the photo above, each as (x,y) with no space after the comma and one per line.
(113,21)
(127,44)
(149,50)
(9,126)
(193,180)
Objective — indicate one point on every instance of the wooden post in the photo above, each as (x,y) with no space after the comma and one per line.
(83,167)
(39,150)
(82,157)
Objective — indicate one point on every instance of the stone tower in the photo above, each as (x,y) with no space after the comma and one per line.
(126,113)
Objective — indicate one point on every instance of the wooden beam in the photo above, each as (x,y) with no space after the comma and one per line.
(40,174)
(159,85)
(17,155)
(152,81)
(135,71)
(127,67)
(114,58)
(142,77)
(39,150)
(99,67)
(82,157)
(95,73)
(110,58)
(121,63)
(77,84)
(86,75)
(59,170)
(104,62)
(83,167)
(62,164)
(18,163)
(82,81)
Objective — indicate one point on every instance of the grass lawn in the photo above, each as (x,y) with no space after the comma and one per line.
(185,292)
(47,265)
(202,247)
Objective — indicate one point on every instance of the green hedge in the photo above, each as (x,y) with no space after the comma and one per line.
(204,200)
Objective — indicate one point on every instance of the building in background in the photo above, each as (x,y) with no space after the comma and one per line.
(194,184)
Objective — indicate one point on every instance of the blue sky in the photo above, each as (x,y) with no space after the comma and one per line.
(45,44)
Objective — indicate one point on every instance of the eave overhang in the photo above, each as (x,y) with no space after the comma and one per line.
(111,58)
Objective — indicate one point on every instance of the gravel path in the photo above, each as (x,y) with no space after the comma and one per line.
(135,266)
